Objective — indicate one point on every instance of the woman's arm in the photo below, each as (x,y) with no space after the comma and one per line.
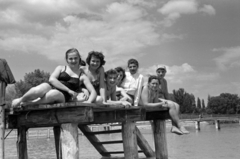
(56,83)
(126,97)
(87,83)
(144,97)
(102,84)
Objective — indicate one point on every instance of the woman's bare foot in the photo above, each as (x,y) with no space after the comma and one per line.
(184,130)
(175,130)
(16,102)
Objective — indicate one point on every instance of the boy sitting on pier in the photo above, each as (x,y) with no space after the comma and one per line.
(111,84)
(133,82)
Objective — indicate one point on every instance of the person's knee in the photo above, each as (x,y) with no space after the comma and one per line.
(41,89)
(55,96)
(99,99)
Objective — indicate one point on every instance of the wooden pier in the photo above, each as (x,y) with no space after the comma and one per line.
(67,118)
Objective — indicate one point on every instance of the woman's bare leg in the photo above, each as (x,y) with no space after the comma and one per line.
(52,96)
(174,114)
(33,94)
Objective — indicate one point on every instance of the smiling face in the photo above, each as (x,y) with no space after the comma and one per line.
(154,84)
(120,77)
(133,68)
(161,73)
(73,59)
(95,62)
(112,80)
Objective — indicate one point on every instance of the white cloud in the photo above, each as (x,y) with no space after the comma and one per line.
(181,74)
(208,9)
(229,59)
(174,9)
(50,28)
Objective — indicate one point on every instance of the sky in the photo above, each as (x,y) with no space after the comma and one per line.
(197,40)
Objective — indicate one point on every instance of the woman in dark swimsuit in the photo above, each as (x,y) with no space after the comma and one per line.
(62,86)
(95,73)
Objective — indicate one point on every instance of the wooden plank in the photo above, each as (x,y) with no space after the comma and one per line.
(157,115)
(93,140)
(159,132)
(69,140)
(41,118)
(119,116)
(22,143)
(57,133)
(121,152)
(110,142)
(129,140)
(71,104)
(143,144)
(2,118)
(106,132)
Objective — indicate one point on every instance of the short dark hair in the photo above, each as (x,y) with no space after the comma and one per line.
(110,72)
(133,61)
(71,51)
(120,69)
(151,77)
(98,55)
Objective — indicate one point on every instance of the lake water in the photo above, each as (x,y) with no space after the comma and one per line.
(208,143)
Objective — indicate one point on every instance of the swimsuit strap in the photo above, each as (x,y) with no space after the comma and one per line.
(65,69)
(80,73)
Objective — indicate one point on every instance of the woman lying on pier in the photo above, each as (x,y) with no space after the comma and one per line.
(95,72)
(111,83)
(149,98)
(63,85)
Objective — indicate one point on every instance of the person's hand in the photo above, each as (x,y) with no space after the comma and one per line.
(86,94)
(126,103)
(73,94)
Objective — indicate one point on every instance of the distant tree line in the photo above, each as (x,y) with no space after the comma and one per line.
(225,103)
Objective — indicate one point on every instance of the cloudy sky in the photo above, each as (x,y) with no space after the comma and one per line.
(198,40)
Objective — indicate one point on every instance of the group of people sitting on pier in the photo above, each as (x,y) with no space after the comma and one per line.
(89,83)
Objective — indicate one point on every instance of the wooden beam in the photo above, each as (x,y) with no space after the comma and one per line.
(93,140)
(57,133)
(69,140)
(129,140)
(119,115)
(143,144)
(22,143)
(2,118)
(159,132)
(51,117)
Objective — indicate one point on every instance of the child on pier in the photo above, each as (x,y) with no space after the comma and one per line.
(62,86)
(149,98)
(111,83)
(163,89)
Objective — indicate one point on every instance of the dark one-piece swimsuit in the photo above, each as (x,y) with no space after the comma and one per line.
(72,83)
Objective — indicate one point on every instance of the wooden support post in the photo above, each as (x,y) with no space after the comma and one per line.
(129,140)
(69,139)
(217,124)
(22,143)
(159,132)
(143,144)
(57,132)
(48,133)
(197,125)
(2,118)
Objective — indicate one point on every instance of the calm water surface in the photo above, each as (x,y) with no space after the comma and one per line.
(208,143)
